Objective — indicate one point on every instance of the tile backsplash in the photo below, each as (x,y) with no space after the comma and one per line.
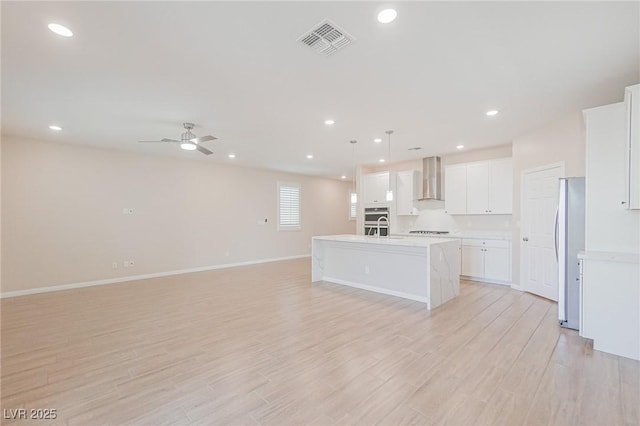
(431,216)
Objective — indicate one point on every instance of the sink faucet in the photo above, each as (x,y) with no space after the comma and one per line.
(379,219)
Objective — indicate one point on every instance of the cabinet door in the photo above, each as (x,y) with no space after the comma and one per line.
(375,187)
(478,188)
(497,264)
(455,190)
(500,186)
(472,261)
(405,192)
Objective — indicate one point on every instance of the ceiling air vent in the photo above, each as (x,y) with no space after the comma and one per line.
(326,38)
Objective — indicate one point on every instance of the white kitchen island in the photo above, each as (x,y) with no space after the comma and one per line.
(423,269)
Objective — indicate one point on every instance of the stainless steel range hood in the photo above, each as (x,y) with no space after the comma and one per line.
(431,179)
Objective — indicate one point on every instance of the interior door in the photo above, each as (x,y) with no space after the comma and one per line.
(538,265)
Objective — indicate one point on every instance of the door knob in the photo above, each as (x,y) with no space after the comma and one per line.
(525,239)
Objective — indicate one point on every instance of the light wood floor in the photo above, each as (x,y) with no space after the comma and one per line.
(261,345)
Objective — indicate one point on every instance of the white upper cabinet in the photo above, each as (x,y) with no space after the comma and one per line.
(478,188)
(455,189)
(375,188)
(406,192)
(500,186)
(632,175)
(483,187)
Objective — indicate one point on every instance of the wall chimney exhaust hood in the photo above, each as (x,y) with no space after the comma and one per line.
(431,179)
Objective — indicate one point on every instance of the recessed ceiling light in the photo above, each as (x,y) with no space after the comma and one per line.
(188,146)
(56,128)
(459,146)
(377,140)
(232,156)
(387,15)
(343,177)
(492,112)
(309,156)
(381,160)
(329,122)
(60,30)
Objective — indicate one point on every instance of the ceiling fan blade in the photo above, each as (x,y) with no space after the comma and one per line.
(160,141)
(203,139)
(203,150)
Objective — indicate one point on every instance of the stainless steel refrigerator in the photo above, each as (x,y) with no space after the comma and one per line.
(569,240)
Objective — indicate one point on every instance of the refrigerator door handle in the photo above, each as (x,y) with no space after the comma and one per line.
(555,233)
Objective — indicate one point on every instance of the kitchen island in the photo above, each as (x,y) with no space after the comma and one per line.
(423,269)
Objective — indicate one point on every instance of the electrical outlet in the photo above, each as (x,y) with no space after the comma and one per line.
(227,253)
(132,263)
(366,269)
(125,210)
(114,265)
(125,264)
(130,211)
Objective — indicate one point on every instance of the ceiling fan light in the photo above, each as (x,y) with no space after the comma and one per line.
(61,30)
(188,146)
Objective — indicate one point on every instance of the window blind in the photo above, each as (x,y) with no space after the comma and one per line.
(352,207)
(288,206)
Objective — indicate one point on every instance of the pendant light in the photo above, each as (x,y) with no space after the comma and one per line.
(354,194)
(389,196)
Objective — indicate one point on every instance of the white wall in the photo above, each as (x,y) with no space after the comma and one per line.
(63,223)
(561,141)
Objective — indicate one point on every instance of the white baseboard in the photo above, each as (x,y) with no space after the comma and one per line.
(485,280)
(378,290)
(143,276)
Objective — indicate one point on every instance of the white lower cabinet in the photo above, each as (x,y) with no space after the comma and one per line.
(486,260)
(610,302)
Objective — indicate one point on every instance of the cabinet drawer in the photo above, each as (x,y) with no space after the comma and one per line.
(497,243)
(472,242)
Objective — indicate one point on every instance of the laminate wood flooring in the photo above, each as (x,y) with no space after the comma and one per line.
(262,345)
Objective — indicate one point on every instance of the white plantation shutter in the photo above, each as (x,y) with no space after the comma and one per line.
(352,208)
(288,206)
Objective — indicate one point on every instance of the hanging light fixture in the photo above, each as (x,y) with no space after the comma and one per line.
(354,194)
(389,191)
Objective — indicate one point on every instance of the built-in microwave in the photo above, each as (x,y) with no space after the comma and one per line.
(376,219)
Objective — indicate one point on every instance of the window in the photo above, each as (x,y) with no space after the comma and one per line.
(353,204)
(288,206)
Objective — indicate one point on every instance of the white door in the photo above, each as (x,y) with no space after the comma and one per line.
(538,265)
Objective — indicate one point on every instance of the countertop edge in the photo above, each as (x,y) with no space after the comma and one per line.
(609,256)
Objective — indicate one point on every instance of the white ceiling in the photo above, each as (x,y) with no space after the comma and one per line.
(136,70)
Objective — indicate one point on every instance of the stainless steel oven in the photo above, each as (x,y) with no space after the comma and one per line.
(376,218)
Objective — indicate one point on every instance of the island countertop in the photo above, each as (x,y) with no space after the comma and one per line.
(423,269)
(393,240)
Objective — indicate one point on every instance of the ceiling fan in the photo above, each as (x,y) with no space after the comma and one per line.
(189,141)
